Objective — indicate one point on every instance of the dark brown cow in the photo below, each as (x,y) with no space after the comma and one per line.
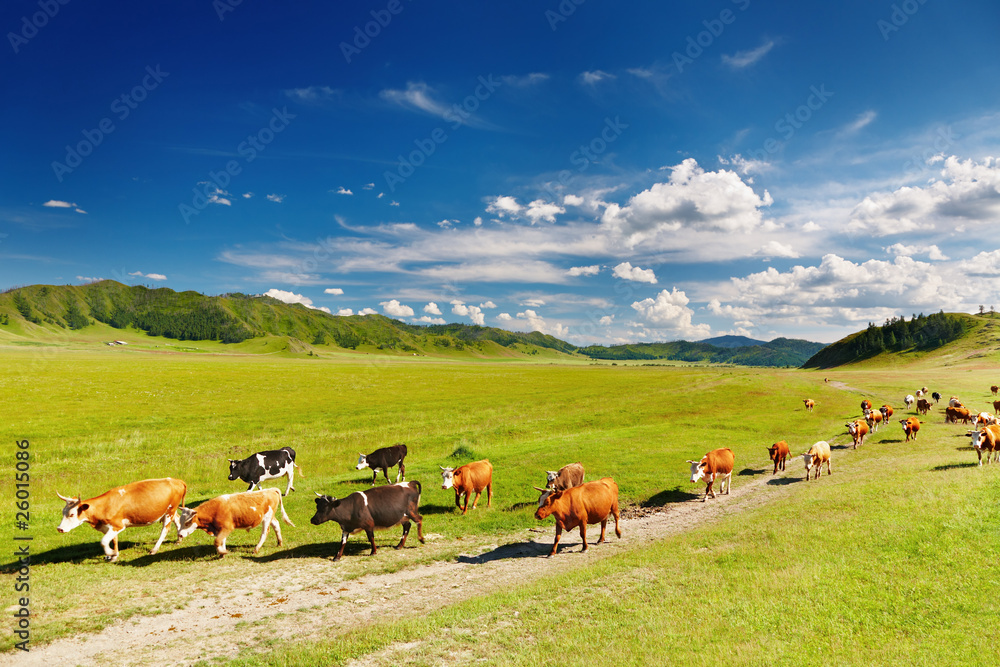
(718,463)
(375,509)
(588,503)
(952,415)
(923,406)
(567,477)
(994,389)
(910,427)
(383,459)
(778,453)
(886,411)
(996,407)
(222,515)
(468,479)
(137,504)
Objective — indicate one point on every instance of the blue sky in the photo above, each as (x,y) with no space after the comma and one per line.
(603,172)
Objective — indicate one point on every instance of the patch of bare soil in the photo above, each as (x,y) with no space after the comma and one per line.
(313,604)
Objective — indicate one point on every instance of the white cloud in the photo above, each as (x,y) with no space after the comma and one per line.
(420,96)
(524,81)
(394,308)
(290,297)
(474,313)
(584,270)
(966,193)
(277,199)
(394,203)
(55,203)
(533,303)
(777,249)
(504,205)
(432,308)
(863,120)
(669,312)
(312,94)
(151,276)
(427,319)
(343,191)
(811,227)
(742,59)
(626,271)
(478,221)
(247,195)
(85,279)
(367,311)
(607,320)
(345,312)
(537,323)
(985,264)
(932,251)
(368,186)
(745,166)
(324,309)
(595,77)
(573,200)
(488,304)
(692,199)
(336,291)
(504,317)
(541,210)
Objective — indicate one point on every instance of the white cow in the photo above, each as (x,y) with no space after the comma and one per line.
(909,400)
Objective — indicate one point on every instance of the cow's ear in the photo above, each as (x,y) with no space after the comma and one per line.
(83,508)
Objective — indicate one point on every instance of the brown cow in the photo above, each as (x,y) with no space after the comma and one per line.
(910,427)
(582,505)
(137,504)
(953,414)
(874,419)
(994,389)
(858,430)
(996,407)
(886,411)
(818,454)
(567,477)
(468,479)
(923,406)
(987,440)
(810,404)
(866,405)
(224,514)
(778,453)
(718,463)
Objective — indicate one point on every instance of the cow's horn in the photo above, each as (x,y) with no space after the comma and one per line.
(442,467)
(539,489)
(62,497)
(318,494)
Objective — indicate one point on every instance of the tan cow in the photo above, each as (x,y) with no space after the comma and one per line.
(717,464)
(858,430)
(810,404)
(588,503)
(778,453)
(224,514)
(874,419)
(468,479)
(137,504)
(817,455)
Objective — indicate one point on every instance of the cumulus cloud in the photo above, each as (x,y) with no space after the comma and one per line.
(367,311)
(151,276)
(540,210)
(343,191)
(427,319)
(504,317)
(573,200)
(394,308)
(777,249)
(607,320)
(504,205)
(536,322)
(474,313)
(692,199)
(669,312)
(488,304)
(584,270)
(345,312)
(985,264)
(432,308)
(967,193)
(292,297)
(336,291)
(277,199)
(626,271)
(932,251)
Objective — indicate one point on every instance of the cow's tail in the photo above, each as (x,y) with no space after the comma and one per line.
(416,483)
(281,505)
(298,468)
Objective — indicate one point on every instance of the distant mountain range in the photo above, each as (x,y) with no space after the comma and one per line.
(33,311)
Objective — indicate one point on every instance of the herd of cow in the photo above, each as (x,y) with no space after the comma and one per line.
(573,502)
(566,496)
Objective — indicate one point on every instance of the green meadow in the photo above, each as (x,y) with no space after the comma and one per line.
(888,561)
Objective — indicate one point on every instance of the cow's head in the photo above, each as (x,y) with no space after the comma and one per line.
(852,427)
(324,506)
(545,502)
(234,470)
(188,524)
(362,462)
(550,478)
(885,411)
(546,492)
(807,458)
(72,513)
(697,470)
(447,477)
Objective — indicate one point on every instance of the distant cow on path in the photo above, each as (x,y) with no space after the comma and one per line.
(717,464)
(468,479)
(383,459)
(262,466)
(778,453)
(567,477)
(809,403)
(582,505)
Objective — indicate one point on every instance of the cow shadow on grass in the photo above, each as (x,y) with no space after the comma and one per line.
(670,497)
(784,481)
(327,550)
(76,553)
(507,552)
(954,466)
(428,509)
(748,472)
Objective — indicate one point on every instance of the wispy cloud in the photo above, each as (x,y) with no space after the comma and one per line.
(418,96)
(151,276)
(742,59)
(313,94)
(277,199)
(595,77)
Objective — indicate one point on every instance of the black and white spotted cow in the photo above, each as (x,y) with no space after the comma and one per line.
(383,459)
(265,465)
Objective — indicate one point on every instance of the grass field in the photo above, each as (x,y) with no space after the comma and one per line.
(888,561)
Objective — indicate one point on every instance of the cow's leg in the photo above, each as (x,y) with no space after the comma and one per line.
(110,535)
(476,499)
(370,532)
(265,526)
(583,534)
(465,507)
(220,541)
(829,470)
(489,495)
(729,483)
(555,545)
(374,475)
(458,499)
(604,525)
(163,533)
(385,471)
(614,513)
(415,515)
(401,473)
(291,478)
(343,543)
(406,531)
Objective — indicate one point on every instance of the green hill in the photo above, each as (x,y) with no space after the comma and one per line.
(778,352)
